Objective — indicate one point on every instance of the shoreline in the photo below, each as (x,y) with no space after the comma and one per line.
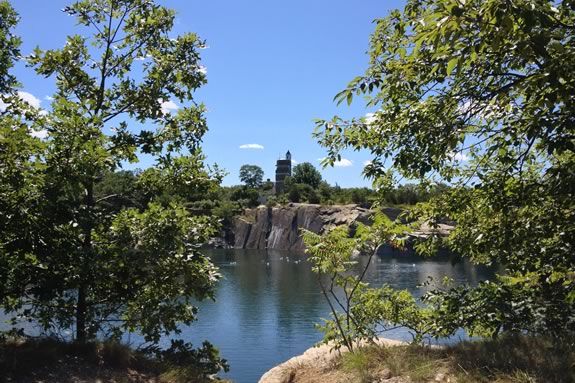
(321,355)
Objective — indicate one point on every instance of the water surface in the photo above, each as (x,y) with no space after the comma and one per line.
(268,302)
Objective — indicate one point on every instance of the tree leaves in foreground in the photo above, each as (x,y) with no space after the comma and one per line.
(9,46)
(480,94)
(360,312)
(67,259)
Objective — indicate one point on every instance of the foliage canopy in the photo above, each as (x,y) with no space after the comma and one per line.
(69,258)
(9,46)
(480,94)
(251,175)
(360,312)
(306,173)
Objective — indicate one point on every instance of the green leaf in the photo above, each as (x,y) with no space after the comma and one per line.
(349,98)
(451,65)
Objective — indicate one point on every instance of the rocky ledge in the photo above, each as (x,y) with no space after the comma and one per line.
(278,227)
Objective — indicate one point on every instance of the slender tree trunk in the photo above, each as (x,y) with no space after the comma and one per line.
(348,342)
(81,304)
(81,315)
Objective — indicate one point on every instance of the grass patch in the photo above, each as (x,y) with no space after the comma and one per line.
(374,362)
(509,359)
(360,363)
(513,359)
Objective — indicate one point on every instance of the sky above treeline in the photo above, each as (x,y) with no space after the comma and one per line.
(272,67)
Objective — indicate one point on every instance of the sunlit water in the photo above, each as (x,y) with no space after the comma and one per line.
(268,302)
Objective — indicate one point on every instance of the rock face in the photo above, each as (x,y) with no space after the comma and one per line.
(278,227)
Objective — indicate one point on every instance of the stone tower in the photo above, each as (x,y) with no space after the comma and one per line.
(283,170)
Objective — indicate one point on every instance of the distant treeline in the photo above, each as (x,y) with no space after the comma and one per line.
(128,189)
(325,194)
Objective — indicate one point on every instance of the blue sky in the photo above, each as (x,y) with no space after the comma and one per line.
(272,67)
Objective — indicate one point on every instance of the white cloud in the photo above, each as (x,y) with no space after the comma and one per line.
(29,98)
(483,110)
(49,98)
(294,162)
(251,146)
(143,58)
(168,106)
(343,163)
(458,156)
(366,162)
(465,107)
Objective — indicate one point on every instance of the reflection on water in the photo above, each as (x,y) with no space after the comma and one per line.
(268,303)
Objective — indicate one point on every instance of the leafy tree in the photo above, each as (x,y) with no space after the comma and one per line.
(359,196)
(301,193)
(294,193)
(358,311)
(480,94)
(251,175)
(66,259)
(181,182)
(20,167)
(226,210)
(306,173)
(325,192)
(267,185)
(118,190)
(9,46)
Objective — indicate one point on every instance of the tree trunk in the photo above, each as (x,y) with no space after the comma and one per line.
(81,305)
(81,315)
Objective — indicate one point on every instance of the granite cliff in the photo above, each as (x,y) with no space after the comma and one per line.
(278,227)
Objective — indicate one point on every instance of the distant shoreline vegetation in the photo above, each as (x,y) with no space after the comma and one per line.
(129,190)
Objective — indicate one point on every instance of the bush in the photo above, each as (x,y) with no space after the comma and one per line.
(226,210)
(246,197)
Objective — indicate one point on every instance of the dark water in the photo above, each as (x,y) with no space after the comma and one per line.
(268,302)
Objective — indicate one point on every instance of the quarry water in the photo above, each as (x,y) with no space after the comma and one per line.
(268,302)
